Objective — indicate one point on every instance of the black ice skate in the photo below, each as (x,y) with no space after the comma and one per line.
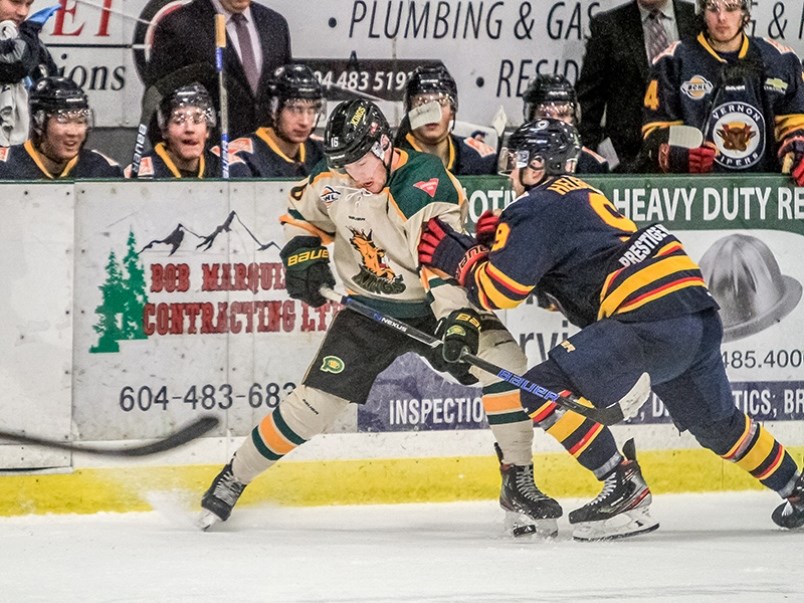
(218,501)
(621,509)
(527,509)
(790,514)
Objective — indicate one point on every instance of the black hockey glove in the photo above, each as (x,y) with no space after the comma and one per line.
(307,269)
(459,331)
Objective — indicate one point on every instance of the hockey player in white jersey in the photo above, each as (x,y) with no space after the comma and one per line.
(371,201)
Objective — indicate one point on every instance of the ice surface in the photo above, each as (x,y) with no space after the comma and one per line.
(710,547)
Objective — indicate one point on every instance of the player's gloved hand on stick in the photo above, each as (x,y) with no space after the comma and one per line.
(486,227)
(680,160)
(307,269)
(452,252)
(459,331)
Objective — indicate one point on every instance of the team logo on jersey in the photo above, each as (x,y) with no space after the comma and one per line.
(483,149)
(428,187)
(375,275)
(239,145)
(3,154)
(696,87)
(332,364)
(776,84)
(739,133)
(329,195)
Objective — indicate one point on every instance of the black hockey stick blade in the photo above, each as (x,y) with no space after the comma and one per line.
(607,415)
(178,438)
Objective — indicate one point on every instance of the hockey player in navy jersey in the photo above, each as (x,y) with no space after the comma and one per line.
(640,301)
(285,148)
(745,94)
(60,121)
(373,199)
(553,96)
(186,118)
(461,156)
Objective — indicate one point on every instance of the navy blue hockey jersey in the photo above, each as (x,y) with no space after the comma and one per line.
(24,162)
(158,164)
(266,160)
(467,156)
(566,242)
(746,102)
(590,162)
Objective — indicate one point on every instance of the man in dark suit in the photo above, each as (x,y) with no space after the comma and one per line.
(257,42)
(615,72)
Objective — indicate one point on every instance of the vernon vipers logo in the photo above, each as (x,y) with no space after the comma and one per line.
(375,275)
(739,133)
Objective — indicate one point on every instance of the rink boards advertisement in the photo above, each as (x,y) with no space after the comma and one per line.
(368,47)
(178,305)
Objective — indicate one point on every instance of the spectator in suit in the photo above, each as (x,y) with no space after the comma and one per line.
(257,42)
(616,68)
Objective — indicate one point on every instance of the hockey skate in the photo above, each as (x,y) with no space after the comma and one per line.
(528,511)
(218,501)
(621,508)
(790,514)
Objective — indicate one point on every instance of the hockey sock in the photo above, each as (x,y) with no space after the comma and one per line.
(304,413)
(741,440)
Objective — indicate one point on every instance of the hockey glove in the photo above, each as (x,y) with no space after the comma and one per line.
(452,252)
(680,160)
(460,331)
(307,270)
(792,154)
(486,228)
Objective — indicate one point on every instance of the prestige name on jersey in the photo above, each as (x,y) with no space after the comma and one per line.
(642,247)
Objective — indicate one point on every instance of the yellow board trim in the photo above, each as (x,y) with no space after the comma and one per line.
(356,482)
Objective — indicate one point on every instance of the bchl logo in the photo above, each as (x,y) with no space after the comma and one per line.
(738,130)
(697,87)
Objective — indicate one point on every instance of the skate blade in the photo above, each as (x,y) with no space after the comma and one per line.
(206,519)
(521,526)
(622,525)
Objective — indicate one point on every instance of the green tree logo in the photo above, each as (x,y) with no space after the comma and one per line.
(123,297)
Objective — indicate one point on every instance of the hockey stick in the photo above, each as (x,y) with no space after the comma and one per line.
(608,415)
(150,101)
(220,46)
(178,438)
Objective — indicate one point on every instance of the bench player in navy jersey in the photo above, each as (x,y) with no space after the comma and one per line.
(286,148)
(186,118)
(640,301)
(553,96)
(745,94)
(60,122)
(462,156)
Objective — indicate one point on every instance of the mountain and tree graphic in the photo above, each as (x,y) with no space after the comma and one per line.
(124,292)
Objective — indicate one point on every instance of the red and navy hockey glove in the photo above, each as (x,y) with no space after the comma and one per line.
(486,228)
(794,149)
(449,251)
(680,160)
(307,270)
